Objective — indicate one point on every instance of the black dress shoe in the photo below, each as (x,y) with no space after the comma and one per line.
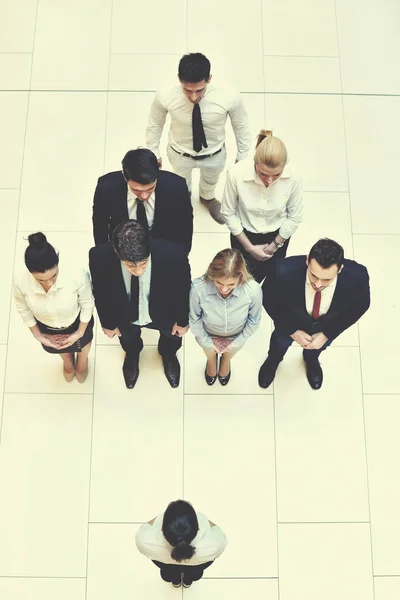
(224,380)
(266,374)
(314,374)
(130,370)
(172,370)
(211,379)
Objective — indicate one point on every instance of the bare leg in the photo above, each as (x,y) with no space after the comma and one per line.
(68,360)
(211,368)
(225,364)
(82,359)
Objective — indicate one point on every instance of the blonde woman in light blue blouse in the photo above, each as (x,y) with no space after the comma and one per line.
(225,310)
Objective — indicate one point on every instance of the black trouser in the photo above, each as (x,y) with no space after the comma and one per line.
(131,340)
(259,268)
(280,342)
(172,573)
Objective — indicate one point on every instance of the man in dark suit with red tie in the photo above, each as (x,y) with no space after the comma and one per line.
(158,200)
(312,300)
(141,281)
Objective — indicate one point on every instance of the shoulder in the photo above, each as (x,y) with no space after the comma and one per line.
(225,93)
(23,279)
(102,253)
(290,265)
(168,93)
(111,179)
(166,251)
(240,169)
(355,270)
(166,179)
(293,172)
(252,288)
(199,286)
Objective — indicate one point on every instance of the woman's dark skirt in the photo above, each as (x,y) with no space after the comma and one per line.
(78,345)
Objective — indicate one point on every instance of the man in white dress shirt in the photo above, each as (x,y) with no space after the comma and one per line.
(196,137)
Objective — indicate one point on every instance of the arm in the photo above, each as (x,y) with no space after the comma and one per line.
(353,313)
(101,291)
(184,222)
(155,125)
(23,308)
(240,127)
(230,204)
(100,215)
(294,212)
(253,319)
(85,298)
(196,321)
(274,303)
(183,283)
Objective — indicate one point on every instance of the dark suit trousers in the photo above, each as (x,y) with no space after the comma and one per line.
(280,342)
(131,340)
(172,573)
(259,269)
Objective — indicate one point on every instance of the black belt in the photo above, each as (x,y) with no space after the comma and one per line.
(196,157)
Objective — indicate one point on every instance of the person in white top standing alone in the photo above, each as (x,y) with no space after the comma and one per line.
(196,137)
(262,204)
(181,543)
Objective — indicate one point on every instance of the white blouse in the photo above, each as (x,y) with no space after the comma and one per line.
(70,295)
(209,542)
(248,204)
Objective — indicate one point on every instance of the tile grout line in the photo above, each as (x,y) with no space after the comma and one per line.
(276,494)
(17,221)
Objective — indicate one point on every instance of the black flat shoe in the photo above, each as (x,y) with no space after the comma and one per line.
(314,375)
(266,374)
(211,379)
(130,370)
(224,380)
(187,585)
(172,370)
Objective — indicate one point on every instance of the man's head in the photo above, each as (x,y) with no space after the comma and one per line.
(194,75)
(324,262)
(140,170)
(132,245)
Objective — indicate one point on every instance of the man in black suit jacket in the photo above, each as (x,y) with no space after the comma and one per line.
(159,200)
(138,282)
(312,299)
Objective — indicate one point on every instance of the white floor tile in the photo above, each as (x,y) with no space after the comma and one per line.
(327,561)
(379,360)
(132,429)
(307,74)
(294,29)
(15,71)
(233,43)
(43,372)
(42,589)
(234,589)
(387,588)
(315,142)
(229,443)
(9,212)
(44,469)
(117,569)
(369,46)
(321,463)
(370,184)
(148,72)
(158,27)
(205,247)
(382,414)
(12,137)
(72,48)
(244,366)
(17,25)
(3,356)
(63,159)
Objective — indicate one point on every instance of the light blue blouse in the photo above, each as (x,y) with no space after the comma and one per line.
(237,316)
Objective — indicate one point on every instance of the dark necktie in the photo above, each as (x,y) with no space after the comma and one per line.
(199,137)
(141,214)
(133,310)
(316,305)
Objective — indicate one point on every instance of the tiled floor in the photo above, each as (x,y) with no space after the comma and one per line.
(305,484)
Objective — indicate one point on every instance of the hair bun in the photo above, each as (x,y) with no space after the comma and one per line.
(37,240)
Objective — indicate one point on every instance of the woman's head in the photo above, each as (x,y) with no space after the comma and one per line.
(180,527)
(227,270)
(270,157)
(41,260)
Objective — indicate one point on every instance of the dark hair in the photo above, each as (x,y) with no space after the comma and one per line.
(131,242)
(180,526)
(193,68)
(140,165)
(40,256)
(327,253)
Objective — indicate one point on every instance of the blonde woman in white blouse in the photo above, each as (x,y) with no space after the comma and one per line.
(262,204)
(181,543)
(57,307)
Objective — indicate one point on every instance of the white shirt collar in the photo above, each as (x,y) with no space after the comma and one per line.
(250,173)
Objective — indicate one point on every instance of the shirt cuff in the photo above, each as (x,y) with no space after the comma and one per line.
(30,321)
(241,156)
(86,315)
